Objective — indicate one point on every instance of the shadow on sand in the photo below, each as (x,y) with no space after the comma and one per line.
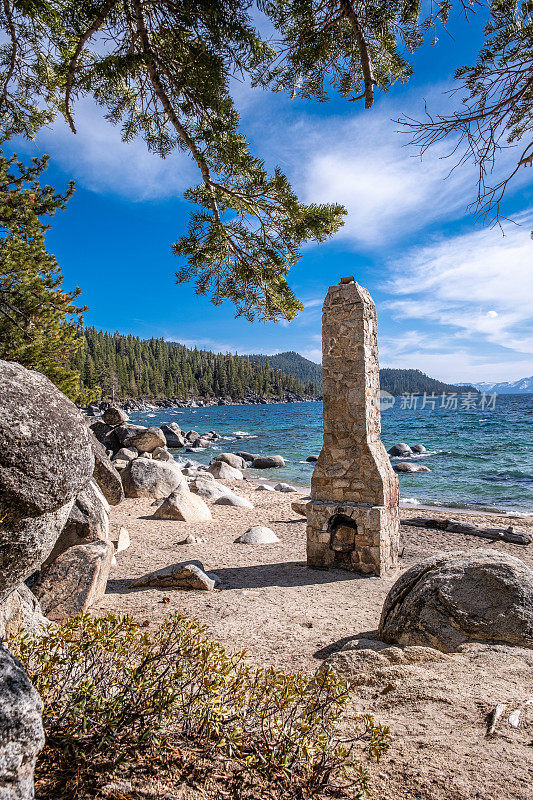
(260,576)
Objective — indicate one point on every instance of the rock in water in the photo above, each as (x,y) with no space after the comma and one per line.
(257,534)
(45,462)
(268,462)
(146,440)
(400,449)
(231,499)
(21,729)
(409,466)
(246,456)
(453,598)
(173,435)
(183,505)
(150,478)
(75,580)
(312,459)
(114,416)
(233,460)
(225,472)
(188,575)
(418,448)
(105,474)
(88,522)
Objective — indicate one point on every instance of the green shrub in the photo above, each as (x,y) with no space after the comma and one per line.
(111,690)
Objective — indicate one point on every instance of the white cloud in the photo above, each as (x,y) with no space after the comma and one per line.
(364,161)
(480,283)
(313,354)
(461,365)
(472,295)
(387,193)
(99,160)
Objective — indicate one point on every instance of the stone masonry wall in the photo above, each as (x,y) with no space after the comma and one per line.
(353,477)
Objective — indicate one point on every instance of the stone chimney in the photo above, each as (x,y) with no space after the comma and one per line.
(352,518)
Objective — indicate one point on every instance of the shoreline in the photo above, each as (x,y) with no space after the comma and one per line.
(441,509)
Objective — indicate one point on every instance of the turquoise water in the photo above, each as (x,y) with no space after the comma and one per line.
(479,459)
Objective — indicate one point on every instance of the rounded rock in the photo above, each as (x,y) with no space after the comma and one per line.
(453,598)
(257,534)
(268,462)
(400,449)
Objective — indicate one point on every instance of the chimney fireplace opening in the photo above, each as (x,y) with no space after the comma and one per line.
(342,539)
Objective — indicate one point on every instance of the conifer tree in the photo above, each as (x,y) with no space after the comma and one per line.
(39,321)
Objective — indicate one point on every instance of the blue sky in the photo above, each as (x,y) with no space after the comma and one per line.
(453,298)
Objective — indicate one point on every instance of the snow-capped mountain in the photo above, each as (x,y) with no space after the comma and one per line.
(521,386)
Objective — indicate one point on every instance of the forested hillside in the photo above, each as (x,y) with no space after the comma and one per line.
(293,363)
(127,366)
(413,381)
(395,381)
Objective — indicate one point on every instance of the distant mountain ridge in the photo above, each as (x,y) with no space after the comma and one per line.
(395,381)
(521,386)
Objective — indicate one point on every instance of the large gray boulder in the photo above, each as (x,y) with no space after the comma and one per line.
(126,431)
(22,610)
(184,506)
(147,440)
(105,434)
(400,449)
(232,459)
(268,462)
(147,477)
(75,580)
(105,474)
(409,466)
(208,489)
(453,598)
(173,435)
(114,416)
(21,729)
(45,462)
(88,522)
(224,472)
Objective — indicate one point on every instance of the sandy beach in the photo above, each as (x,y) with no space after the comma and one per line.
(270,604)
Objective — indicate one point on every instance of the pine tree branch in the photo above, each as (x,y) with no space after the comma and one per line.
(169,110)
(364,52)
(14,49)
(74,60)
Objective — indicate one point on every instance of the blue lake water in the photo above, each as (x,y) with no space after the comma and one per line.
(479,458)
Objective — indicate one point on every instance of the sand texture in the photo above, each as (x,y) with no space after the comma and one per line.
(283,613)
